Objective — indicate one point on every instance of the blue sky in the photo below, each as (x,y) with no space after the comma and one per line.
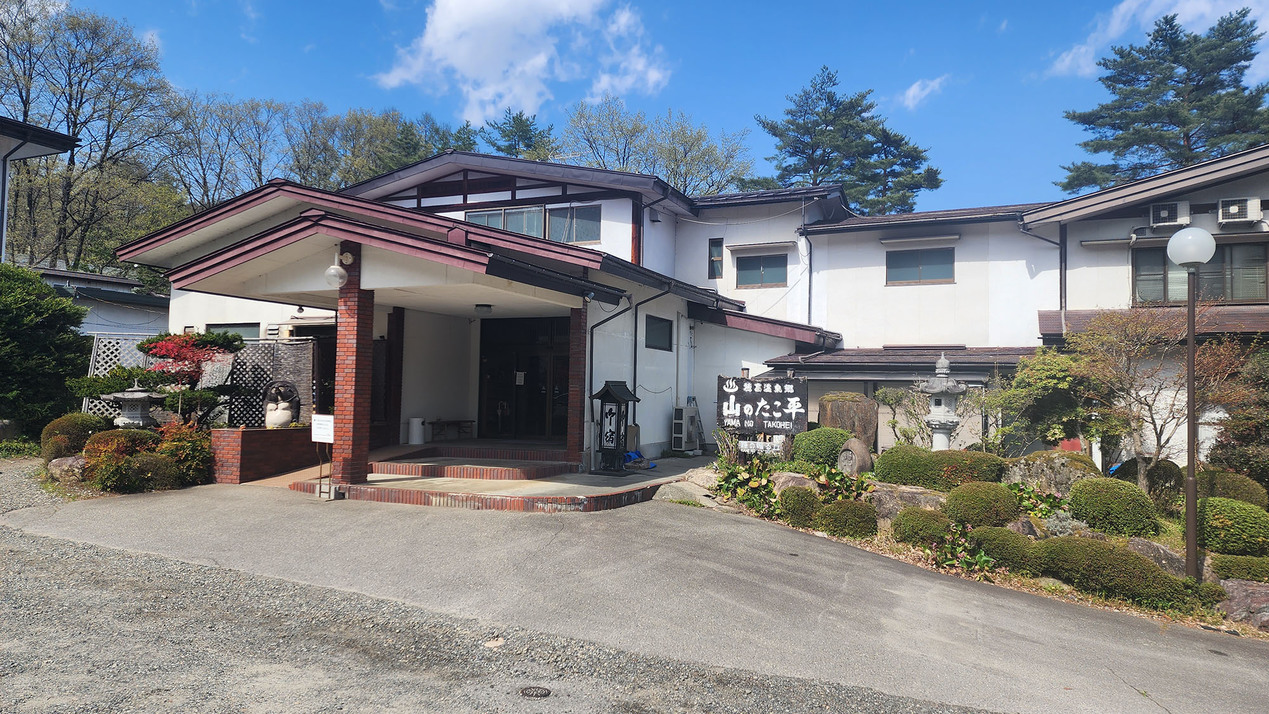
(982,86)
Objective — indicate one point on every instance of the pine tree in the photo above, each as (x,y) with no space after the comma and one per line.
(1177,100)
(518,134)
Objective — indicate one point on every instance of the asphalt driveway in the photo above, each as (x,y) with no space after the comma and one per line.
(693,584)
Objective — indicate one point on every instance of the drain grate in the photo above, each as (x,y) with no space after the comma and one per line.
(535,692)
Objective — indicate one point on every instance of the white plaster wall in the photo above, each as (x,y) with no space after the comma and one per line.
(438,364)
(1002,278)
(723,351)
(658,243)
(122,318)
(199,309)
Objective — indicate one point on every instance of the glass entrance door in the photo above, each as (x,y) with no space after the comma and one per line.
(524,378)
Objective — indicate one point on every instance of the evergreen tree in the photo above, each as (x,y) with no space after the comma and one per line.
(826,137)
(518,134)
(1177,100)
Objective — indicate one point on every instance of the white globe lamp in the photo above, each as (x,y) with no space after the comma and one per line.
(1191,247)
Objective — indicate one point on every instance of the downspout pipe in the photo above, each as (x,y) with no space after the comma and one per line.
(634,385)
(4,200)
(590,373)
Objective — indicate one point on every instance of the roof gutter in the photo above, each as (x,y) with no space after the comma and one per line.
(1022,228)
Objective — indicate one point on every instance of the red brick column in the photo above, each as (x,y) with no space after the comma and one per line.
(354,370)
(575,442)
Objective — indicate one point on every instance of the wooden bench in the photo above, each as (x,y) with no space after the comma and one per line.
(453,428)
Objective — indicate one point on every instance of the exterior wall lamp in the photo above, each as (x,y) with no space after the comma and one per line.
(336,276)
(1191,248)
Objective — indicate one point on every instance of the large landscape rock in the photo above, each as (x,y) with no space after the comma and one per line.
(1164,558)
(703,476)
(1051,471)
(890,498)
(781,480)
(855,458)
(850,411)
(1247,602)
(68,469)
(683,491)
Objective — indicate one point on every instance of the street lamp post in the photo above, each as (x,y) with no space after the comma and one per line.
(1190,248)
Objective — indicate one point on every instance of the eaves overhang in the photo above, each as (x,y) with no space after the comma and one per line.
(806,335)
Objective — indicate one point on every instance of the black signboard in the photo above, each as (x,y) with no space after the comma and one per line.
(762,406)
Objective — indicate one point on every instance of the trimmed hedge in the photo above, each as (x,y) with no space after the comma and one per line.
(66,435)
(157,472)
(1113,506)
(820,446)
(1241,567)
(981,504)
(1165,475)
(109,455)
(1226,484)
(848,519)
(920,526)
(798,506)
(1105,569)
(937,470)
(1232,527)
(1009,549)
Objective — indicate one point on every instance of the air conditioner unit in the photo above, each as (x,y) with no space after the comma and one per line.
(1176,213)
(1240,210)
(685,432)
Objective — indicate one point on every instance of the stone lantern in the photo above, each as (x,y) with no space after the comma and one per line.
(134,406)
(943,390)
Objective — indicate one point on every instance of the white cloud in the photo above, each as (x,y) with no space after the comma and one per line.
(921,89)
(1130,21)
(509,54)
(1004,25)
(250,17)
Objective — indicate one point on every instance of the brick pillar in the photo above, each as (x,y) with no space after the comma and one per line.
(354,370)
(575,442)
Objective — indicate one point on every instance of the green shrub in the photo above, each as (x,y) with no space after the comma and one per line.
(1232,527)
(981,504)
(920,526)
(1207,594)
(1105,569)
(109,455)
(154,472)
(1163,476)
(124,442)
(937,470)
(190,448)
(1225,484)
(806,468)
(848,519)
(798,506)
(1241,567)
(1009,549)
(820,446)
(73,430)
(1113,506)
(19,448)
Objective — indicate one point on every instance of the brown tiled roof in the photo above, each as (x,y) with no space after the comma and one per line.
(898,357)
(1237,319)
(955,215)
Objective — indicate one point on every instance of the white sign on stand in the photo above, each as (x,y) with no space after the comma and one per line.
(324,428)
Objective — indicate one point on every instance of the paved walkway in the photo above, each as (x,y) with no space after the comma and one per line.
(697,585)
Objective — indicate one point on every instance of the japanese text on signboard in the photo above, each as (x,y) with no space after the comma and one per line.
(762,406)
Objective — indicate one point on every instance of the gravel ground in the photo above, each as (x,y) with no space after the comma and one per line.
(90,629)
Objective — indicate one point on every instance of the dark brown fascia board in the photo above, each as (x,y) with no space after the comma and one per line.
(55,142)
(880,225)
(314,223)
(803,334)
(1189,178)
(626,270)
(574,255)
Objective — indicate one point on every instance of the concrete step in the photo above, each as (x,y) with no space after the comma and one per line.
(435,466)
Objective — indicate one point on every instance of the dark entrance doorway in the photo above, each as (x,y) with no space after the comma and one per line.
(524,378)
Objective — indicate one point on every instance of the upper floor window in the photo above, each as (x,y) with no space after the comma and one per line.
(579,224)
(762,271)
(715,258)
(1236,273)
(929,265)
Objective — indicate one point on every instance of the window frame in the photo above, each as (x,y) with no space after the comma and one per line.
(762,270)
(546,209)
(1223,250)
(572,223)
(661,323)
(918,252)
(714,270)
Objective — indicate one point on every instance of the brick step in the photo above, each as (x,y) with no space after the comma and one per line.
(485,452)
(472,468)
(492,502)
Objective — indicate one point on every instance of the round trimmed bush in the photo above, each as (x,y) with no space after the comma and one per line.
(981,504)
(1113,506)
(820,446)
(1226,484)
(848,519)
(937,470)
(122,442)
(1163,476)
(920,526)
(1241,567)
(1232,527)
(798,506)
(1102,568)
(155,472)
(66,435)
(109,455)
(960,467)
(1009,549)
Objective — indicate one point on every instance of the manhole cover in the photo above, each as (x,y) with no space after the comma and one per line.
(535,692)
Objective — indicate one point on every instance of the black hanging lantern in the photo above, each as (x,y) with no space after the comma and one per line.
(614,403)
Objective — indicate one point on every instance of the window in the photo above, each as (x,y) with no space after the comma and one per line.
(248,330)
(715,258)
(762,271)
(1236,273)
(493,219)
(932,265)
(658,334)
(576,224)
(526,221)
